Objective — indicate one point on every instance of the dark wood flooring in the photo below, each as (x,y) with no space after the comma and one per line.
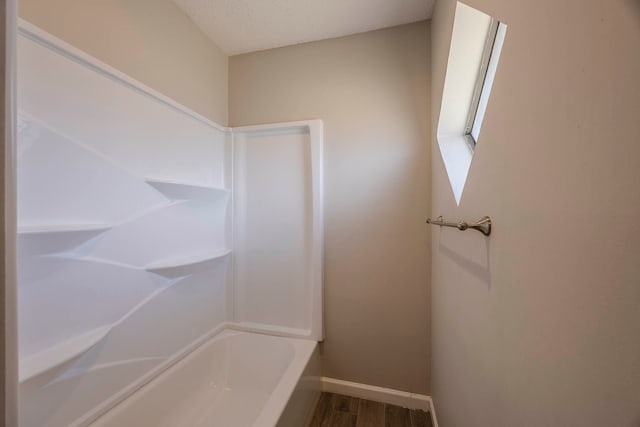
(336,410)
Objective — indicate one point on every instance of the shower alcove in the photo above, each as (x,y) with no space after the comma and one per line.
(145,229)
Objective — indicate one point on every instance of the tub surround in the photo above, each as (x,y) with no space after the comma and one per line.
(145,230)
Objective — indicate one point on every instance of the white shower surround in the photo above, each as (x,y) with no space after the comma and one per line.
(173,230)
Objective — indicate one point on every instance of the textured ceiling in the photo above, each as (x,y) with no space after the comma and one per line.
(240,26)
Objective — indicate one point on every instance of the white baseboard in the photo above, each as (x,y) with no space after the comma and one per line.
(381,394)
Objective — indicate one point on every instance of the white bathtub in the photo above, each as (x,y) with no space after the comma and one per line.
(236,379)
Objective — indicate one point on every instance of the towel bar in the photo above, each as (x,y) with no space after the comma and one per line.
(483,225)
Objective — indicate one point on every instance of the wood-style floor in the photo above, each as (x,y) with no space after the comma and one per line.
(336,410)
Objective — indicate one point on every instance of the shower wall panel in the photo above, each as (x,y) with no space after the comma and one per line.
(124,235)
(278,228)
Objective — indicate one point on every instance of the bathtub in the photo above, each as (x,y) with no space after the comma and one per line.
(236,379)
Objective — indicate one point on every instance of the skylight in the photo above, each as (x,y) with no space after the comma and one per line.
(476,44)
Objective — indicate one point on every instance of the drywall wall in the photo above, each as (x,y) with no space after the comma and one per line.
(539,324)
(371,90)
(152,41)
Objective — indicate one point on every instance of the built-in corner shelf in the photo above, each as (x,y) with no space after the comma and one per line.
(52,229)
(182,190)
(183,266)
(60,354)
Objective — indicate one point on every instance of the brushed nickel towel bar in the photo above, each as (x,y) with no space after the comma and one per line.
(483,225)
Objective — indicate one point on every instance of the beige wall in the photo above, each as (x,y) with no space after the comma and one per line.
(3,135)
(539,325)
(372,92)
(150,40)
